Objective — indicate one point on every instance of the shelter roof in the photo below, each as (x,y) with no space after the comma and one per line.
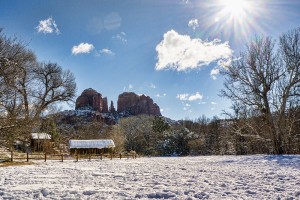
(88,144)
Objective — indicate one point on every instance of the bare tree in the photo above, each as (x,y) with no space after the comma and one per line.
(53,84)
(267,79)
(27,87)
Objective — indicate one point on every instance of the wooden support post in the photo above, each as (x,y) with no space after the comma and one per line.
(62,157)
(89,154)
(27,157)
(111,156)
(127,156)
(45,157)
(120,156)
(101,156)
(11,156)
(77,157)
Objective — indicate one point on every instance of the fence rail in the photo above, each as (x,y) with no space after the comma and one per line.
(61,157)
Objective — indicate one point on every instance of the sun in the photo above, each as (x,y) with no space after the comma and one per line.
(233,20)
(234,17)
(236,8)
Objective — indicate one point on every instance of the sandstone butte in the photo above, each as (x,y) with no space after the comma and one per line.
(128,103)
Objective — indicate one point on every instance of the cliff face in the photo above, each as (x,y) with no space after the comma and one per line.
(133,104)
(91,99)
(128,104)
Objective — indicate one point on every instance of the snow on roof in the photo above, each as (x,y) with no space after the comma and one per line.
(42,136)
(86,144)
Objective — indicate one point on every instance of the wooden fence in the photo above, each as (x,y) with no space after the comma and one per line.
(61,157)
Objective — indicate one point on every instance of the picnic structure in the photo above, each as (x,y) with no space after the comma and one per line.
(40,142)
(83,147)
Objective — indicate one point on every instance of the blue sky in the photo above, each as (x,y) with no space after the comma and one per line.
(169,50)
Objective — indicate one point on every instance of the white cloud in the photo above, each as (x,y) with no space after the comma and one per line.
(195,97)
(187,105)
(106,52)
(213,103)
(182,97)
(130,86)
(121,36)
(181,53)
(193,23)
(82,48)
(161,110)
(214,72)
(47,26)
(187,97)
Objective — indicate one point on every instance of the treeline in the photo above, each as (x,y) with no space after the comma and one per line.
(160,136)
(156,136)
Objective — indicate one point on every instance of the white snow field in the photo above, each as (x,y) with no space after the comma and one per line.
(203,177)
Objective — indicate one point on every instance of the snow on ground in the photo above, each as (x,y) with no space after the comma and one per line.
(206,177)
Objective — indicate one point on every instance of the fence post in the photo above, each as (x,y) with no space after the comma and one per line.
(120,156)
(101,156)
(77,157)
(111,156)
(27,157)
(11,156)
(62,157)
(45,157)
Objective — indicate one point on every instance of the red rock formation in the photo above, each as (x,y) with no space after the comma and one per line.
(91,99)
(129,103)
(135,105)
(104,105)
(112,108)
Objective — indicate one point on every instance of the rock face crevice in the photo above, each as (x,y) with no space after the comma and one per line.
(128,104)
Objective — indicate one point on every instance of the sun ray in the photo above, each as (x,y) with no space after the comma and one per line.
(233,20)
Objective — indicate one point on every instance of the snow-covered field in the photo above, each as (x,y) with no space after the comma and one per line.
(206,177)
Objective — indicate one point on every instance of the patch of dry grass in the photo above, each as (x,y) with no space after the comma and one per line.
(8,164)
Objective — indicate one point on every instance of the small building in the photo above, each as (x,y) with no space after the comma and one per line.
(40,142)
(91,146)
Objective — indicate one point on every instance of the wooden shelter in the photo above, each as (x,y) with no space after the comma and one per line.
(91,146)
(40,142)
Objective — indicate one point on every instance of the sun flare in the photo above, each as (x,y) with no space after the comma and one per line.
(235,18)
(236,7)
